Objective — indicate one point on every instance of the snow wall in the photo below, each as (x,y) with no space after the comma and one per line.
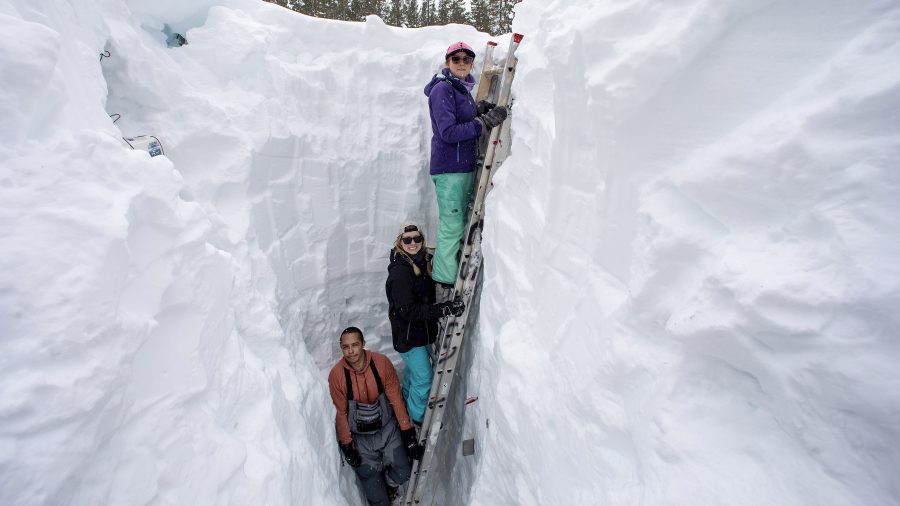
(690,274)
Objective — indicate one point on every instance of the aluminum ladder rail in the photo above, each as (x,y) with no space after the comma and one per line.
(449,344)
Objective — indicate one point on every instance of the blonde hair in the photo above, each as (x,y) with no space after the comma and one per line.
(398,250)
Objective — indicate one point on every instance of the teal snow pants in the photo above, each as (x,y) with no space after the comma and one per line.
(416,381)
(454,192)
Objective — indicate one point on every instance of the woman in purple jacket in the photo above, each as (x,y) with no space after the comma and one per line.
(456,124)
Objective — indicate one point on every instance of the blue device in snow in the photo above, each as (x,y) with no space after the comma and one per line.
(148,143)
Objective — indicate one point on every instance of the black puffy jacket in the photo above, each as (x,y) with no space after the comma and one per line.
(410,299)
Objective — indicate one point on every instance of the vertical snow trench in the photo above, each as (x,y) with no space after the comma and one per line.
(329,270)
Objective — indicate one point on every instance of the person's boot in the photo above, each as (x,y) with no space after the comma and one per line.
(443,292)
(392,493)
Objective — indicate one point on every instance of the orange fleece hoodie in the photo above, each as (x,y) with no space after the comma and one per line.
(365,390)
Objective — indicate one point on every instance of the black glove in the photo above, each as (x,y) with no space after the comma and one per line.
(457,307)
(484,106)
(442,309)
(351,455)
(491,118)
(413,448)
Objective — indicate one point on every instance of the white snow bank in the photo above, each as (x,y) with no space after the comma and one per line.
(139,364)
(691,273)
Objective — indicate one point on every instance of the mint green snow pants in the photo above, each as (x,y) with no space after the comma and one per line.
(454,192)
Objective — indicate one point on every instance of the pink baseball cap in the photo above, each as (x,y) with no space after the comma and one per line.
(457,47)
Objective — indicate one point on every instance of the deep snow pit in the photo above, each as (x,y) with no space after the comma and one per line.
(306,164)
(690,281)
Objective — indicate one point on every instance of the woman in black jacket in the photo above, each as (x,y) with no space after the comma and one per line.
(414,314)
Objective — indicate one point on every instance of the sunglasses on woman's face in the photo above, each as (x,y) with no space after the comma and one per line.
(464,59)
(415,239)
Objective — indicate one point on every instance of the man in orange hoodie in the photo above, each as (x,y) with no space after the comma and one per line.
(373,428)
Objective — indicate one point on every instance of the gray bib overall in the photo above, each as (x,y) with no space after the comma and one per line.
(377,435)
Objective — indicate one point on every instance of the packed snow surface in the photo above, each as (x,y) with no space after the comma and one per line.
(691,277)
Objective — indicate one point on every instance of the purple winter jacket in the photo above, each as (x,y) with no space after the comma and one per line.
(454,140)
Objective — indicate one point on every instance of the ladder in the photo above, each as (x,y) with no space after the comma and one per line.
(494,86)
